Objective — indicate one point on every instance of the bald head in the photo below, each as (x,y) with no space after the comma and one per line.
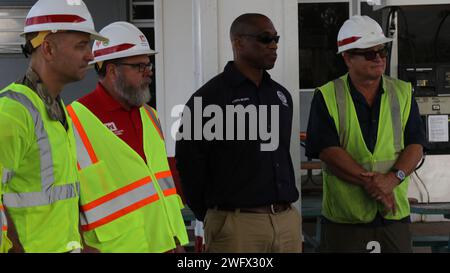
(245,24)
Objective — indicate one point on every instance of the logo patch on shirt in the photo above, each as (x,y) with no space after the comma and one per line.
(282,98)
(113,128)
(240,100)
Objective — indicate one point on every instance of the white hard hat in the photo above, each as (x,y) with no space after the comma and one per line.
(57,15)
(125,40)
(360,32)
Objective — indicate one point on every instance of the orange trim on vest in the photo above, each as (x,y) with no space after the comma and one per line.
(4,227)
(163,174)
(154,124)
(120,213)
(171,191)
(84,138)
(116,193)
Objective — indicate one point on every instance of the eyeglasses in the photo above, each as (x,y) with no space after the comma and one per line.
(140,66)
(371,54)
(264,38)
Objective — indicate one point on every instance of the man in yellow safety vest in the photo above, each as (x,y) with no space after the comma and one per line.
(128,198)
(37,146)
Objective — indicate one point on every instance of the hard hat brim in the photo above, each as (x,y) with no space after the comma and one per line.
(364,44)
(94,35)
(107,58)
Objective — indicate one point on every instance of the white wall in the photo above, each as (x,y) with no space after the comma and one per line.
(175,60)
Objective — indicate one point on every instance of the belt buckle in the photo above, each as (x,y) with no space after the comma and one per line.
(272,209)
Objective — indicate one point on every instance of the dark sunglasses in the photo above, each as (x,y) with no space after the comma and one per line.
(140,66)
(371,54)
(264,38)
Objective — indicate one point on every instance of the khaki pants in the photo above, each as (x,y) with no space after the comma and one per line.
(389,238)
(242,232)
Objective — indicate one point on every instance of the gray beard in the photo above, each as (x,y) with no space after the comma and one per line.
(131,95)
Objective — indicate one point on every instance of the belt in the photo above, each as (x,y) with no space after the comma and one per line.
(270,209)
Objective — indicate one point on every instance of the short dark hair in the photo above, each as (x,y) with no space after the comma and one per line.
(101,72)
(27,48)
(244,23)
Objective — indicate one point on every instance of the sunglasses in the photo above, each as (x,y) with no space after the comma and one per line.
(264,38)
(371,54)
(140,66)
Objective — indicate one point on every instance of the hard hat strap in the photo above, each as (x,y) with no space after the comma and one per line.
(37,41)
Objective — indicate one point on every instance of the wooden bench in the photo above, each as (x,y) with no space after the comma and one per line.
(438,243)
(310,166)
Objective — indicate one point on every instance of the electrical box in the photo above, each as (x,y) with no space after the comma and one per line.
(443,79)
(432,108)
(422,77)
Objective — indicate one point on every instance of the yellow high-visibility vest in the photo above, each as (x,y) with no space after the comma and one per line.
(127,205)
(39,174)
(347,203)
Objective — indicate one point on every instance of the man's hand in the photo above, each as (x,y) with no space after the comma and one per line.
(389,203)
(89,249)
(179,249)
(380,184)
(13,236)
(16,247)
(380,187)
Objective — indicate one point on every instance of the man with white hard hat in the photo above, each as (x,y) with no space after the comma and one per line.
(129,202)
(366,128)
(37,146)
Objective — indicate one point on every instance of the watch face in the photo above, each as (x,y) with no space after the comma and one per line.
(400,175)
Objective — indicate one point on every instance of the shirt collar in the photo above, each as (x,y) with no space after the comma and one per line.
(354,90)
(53,105)
(236,78)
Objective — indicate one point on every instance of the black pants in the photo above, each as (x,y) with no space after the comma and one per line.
(393,237)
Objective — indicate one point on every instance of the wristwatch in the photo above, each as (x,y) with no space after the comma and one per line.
(399,174)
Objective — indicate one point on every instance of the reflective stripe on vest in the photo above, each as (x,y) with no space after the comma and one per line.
(380,166)
(49,193)
(165,180)
(87,156)
(6,175)
(166,183)
(342,106)
(2,223)
(3,219)
(154,120)
(396,116)
(118,203)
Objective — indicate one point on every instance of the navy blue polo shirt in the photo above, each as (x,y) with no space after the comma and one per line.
(238,173)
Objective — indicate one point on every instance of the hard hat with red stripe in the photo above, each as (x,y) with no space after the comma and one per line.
(59,15)
(360,32)
(125,40)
